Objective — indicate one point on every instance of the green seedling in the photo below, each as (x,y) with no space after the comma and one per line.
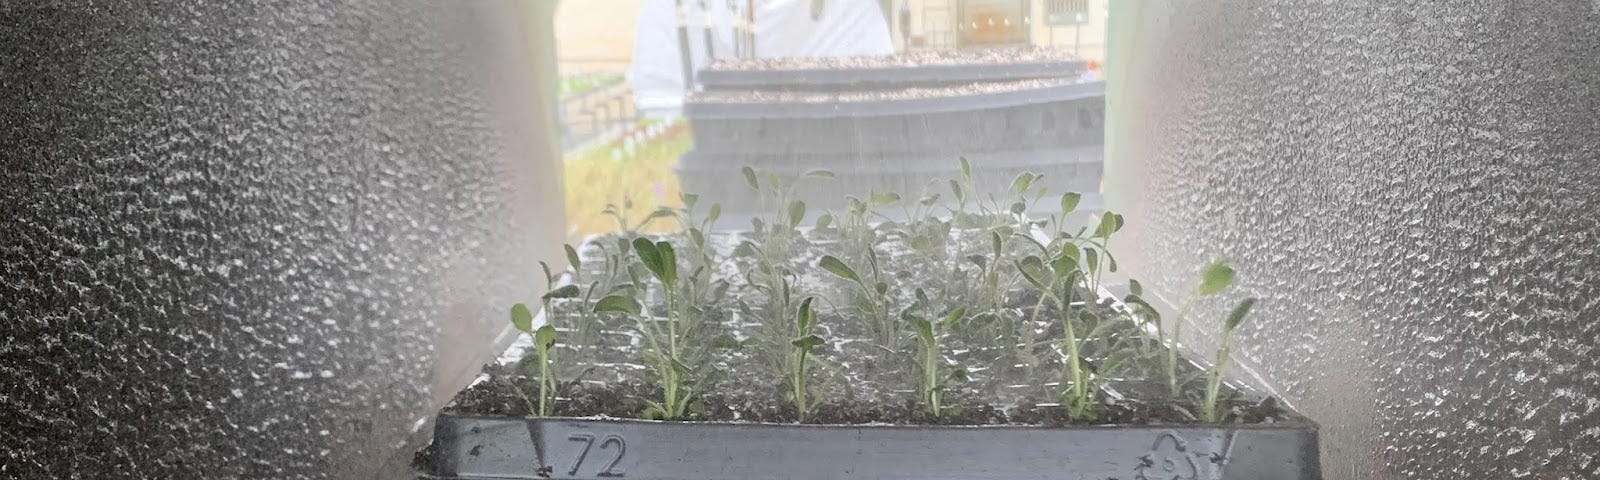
(993,282)
(699,288)
(991,211)
(805,321)
(930,334)
(1211,408)
(778,235)
(620,215)
(1215,278)
(872,298)
(667,349)
(544,339)
(1085,334)
(1058,283)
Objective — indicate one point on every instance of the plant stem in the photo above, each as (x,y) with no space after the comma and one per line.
(1172,347)
(1078,405)
(800,386)
(1209,411)
(673,404)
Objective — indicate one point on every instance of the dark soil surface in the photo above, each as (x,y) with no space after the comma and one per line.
(627,401)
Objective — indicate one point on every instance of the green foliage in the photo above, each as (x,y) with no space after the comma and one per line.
(975,253)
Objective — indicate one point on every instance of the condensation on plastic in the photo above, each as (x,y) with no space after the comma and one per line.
(238,240)
(1412,188)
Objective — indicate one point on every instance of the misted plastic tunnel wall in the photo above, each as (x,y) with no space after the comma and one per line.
(1410,187)
(260,240)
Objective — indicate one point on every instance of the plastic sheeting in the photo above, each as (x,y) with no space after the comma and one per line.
(783,28)
(1410,188)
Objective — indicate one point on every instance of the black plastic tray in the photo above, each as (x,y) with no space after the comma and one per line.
(825,79)
(474,447)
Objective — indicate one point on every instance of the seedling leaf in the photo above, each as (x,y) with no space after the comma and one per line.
(1066,260)
(617,304)
(669,259)
(807,342)
(1218,275)
(1108,225)
(981,261)
(797,212)
(745,249)
(572,257)
(1022,182)
(698,237)
(1069,202)
(522,318)
(924,329)
(804,316)
(565,291)
(884,198)
(1032,269)
(750,177)
(1236,317)
(659,258)
(955,316)
(818,173)
(838,268)
(548,277)
(824,220)
(545,337)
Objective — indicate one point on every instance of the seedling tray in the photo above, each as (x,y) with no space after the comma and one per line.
(478,447)
(835,79)
(759,109)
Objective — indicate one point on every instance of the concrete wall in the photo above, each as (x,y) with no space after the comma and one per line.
(259,240)
(1412,188)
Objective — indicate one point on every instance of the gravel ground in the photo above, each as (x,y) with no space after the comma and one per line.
(912,93)
(911,59)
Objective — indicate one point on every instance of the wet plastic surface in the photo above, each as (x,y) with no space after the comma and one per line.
(244,240)
(1411,189)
